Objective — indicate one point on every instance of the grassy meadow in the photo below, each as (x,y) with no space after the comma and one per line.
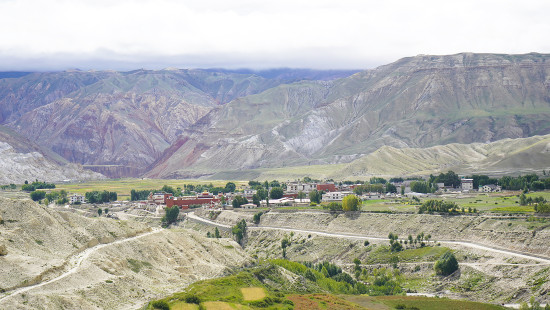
(124,186)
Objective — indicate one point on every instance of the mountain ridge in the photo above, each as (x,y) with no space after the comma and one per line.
(414,102)
(172,122)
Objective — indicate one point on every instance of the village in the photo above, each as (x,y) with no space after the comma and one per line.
(294,194)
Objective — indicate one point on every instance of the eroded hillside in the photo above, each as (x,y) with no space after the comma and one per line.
(59,259)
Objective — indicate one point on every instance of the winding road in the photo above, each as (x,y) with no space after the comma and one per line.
(74,263)
(523,255)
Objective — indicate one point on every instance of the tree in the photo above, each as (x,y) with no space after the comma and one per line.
(238,201)
(377,180)
(357,263)
(446,264)
(420,187)
(171,215)
(257,217)
(350,203)
(38,195)
(390,188)
(256,199)
(99,211)
(230,187)
(449,179)
(301,195)
(315,196)
(284,244)
(276,193)
(239,231)
(542,207)
(168,189)
(217,233)
(522,200)
(334,206)
(254,183)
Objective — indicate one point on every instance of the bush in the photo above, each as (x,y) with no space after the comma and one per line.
(160,304)
(446,264)
(334,206)
(192,299)
(38,195)
(441,206)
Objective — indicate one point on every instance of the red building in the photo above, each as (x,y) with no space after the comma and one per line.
(326,187)
(186,202)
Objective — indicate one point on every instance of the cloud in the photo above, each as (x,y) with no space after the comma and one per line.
(127,34)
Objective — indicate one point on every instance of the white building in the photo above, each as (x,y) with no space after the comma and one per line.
(77,198)
(296,187)
(335,196)
(490,188)
(249,206)
(467,184)
(285,201)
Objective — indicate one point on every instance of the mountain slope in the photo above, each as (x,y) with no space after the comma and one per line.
(21,160)
(418,101)
(116,122)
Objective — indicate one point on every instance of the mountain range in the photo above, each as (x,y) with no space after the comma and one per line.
(177,123)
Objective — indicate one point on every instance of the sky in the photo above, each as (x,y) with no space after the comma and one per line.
(43,35)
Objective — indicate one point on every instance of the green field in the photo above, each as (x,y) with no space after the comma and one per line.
(279,292)
(424,303)
(393,205)
(382,255)
(124,186)
(506,202)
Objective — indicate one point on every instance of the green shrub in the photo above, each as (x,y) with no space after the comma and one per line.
(38,195)
(160,304)
(446,264)
(192,299)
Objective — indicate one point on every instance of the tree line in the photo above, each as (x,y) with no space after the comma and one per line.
(101,196)
(36,185)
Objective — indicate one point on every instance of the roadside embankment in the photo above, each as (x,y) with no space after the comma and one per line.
(515,234)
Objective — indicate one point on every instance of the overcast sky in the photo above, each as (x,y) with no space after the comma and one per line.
(336,34)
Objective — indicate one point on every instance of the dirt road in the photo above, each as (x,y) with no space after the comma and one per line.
(473,245)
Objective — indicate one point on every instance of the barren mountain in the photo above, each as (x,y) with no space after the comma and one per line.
(21,159)
(116,122)
(418,101)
